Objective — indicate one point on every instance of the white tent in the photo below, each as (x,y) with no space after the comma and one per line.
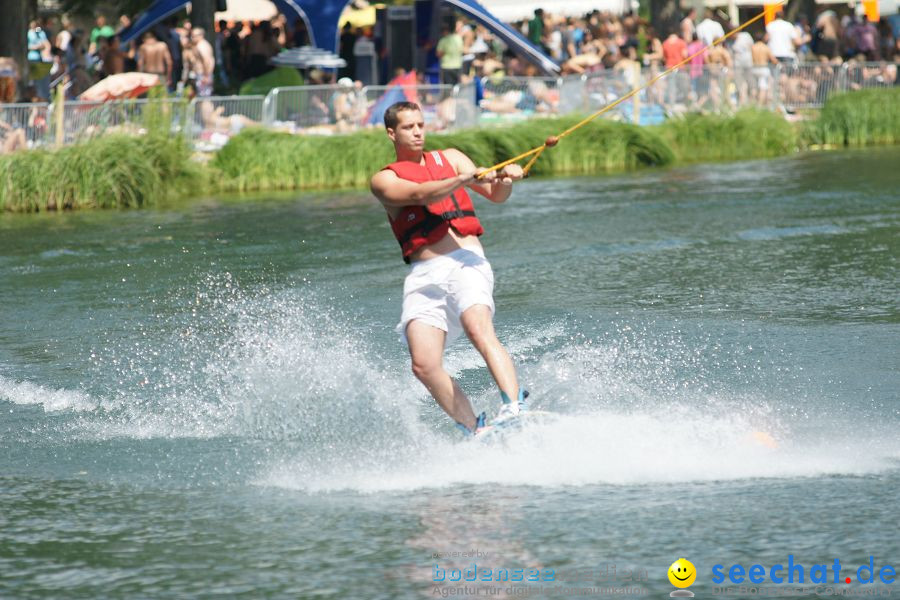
(248,10)
(515,10)
(718,3)
(886,7)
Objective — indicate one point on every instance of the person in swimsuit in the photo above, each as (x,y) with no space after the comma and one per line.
(154,57)
(449,289)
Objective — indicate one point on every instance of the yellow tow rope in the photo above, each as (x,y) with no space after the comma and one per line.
(554,139)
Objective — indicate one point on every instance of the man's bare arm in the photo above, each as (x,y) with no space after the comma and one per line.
(496,187)
(394,191)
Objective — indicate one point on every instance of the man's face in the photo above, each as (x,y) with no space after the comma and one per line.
(410,130)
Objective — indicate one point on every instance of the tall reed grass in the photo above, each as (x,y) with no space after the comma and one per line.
(128,171)
(113,171)
(598,147)
(860,118)
(750,133)
(259,160)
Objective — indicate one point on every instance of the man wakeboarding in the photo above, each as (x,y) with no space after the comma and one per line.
(450,285)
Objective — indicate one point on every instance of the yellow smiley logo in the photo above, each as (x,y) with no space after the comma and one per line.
(682,573)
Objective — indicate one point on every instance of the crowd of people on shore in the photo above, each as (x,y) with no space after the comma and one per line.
(183,57)
(606,39)
(601,41)
(618,48)
(621,45)
(176,51)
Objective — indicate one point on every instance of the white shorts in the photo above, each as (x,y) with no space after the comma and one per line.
(763,75)
(438,290)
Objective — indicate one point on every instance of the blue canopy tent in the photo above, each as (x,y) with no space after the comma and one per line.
(161,9)
(158,11)
(322,16)
(512,38)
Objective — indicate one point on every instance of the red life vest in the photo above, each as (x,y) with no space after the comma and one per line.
(418,226)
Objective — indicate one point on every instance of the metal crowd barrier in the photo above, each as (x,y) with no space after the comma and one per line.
(214,119)
(465,109)
(505,98)
(871,75)
(441,104)
(210,122)
(713,88)
(84,120)
(808,85)
(32,119)
(710,88)
(308,107)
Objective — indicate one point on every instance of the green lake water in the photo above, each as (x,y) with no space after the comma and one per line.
(209,399)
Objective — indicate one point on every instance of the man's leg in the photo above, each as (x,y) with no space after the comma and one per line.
(477,322)
(426,347)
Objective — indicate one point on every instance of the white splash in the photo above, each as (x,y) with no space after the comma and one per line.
(51,400)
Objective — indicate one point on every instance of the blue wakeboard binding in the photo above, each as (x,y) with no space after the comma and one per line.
(480,423)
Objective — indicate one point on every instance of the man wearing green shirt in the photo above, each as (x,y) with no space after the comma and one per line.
(450,51)
(101,30)
(536,28)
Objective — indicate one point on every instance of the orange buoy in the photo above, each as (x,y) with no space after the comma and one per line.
(764,439)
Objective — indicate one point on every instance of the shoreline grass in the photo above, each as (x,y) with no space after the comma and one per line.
(260,160)
(751,133)
(860,118)
(120,171)
(113,171)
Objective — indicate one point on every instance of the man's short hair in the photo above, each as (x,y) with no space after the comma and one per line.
(390,115)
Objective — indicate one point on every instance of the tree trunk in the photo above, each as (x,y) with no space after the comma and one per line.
(203,14)
(806,8)
(14,34)
(665,17)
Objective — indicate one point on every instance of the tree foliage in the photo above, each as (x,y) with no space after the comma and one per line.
(665,16)
(13,30)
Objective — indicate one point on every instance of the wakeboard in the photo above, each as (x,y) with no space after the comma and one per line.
(515,424)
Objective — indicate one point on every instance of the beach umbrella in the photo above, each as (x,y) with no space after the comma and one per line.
(308,57)
(123,85)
